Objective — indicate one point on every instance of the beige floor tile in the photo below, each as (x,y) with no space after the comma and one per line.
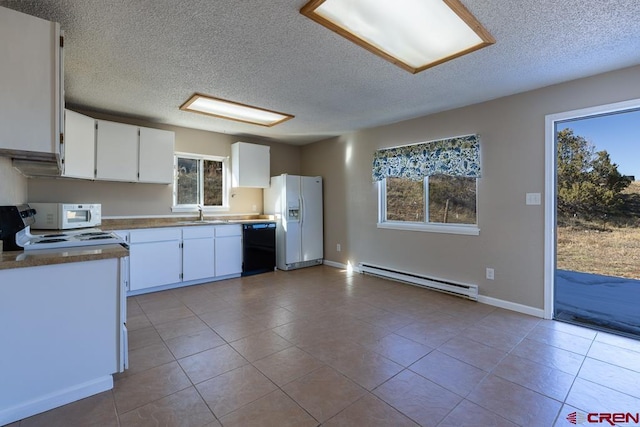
(431,335)
(211,363)
(324,392)
(184,408)
(139,321)
(365,367)
(218,317)
(371,412)
(547,355)
(450,373)
(274,410)
(195,342)
(492,337)
(169,315)
(614,355)
(96,410)
(234,389)
(260,345)
(515,403)
(186,326)
(399,349)
(472,352)
(594,397)
(568,328)
(418,398)
(618,341)
(238,329)
(563,340)
(287,365)
(611,376)
(139,389)
(468,414)
(143,337)
(510,322)
(543,379)
(142,359)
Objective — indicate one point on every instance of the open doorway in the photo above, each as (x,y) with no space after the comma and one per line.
(593,218)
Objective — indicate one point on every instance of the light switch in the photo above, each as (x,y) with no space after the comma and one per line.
(533,199)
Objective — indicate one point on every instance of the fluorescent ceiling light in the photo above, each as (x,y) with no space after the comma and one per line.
(221,108)
(413,34)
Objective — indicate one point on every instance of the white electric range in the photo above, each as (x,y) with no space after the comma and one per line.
(66,239)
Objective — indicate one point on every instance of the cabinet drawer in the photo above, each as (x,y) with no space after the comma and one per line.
(198,232)
(229,230)
(155,235)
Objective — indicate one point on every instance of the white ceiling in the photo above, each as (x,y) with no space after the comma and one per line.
(144,58)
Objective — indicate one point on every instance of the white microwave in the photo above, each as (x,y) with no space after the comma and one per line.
(63,216)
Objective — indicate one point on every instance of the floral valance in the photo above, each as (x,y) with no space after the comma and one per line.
(458,156)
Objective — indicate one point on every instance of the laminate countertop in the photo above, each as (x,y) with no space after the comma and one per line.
(23,259)
(138,223)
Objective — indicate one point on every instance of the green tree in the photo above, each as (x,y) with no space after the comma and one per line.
(589,184)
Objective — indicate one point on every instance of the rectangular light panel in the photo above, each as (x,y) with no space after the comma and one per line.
(230,110)
(413,34)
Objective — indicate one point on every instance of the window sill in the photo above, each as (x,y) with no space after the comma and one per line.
(469,230)
(194,209)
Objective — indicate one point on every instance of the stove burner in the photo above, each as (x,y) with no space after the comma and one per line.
(47,236)
(99,237)
(50,241)
(94,233)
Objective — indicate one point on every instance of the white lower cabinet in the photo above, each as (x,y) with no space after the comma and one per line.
(155,257)
(198,253)
(174,256)
(228,250)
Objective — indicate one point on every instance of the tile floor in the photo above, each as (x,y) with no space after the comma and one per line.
(320,346)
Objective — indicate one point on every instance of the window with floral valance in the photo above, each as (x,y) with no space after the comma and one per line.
(431,186)
(458,156)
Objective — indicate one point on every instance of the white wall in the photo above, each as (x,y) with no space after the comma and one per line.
(13,186)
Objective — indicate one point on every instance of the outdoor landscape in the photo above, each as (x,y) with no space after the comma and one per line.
(598,239)
(598,212)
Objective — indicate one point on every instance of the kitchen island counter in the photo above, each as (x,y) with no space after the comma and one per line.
(23,259)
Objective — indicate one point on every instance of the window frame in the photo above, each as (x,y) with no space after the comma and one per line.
(226,183)
(426,226)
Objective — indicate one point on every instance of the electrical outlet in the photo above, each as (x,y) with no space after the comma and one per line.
(338,247)
(490,274)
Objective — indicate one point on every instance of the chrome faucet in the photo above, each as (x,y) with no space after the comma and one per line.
(200,213)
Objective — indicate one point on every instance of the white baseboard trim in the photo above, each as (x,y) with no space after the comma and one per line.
(495,302)
(55,399)
(513,306)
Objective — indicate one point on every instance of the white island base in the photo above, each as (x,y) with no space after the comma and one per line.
(62,334)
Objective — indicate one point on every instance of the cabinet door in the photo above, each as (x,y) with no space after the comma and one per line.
(79,145)
(250,165)
(30,83)
(228,255)
(156,156)
(198,258)
(116,151)
(154,264)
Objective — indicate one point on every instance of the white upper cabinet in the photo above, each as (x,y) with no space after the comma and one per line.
(156,156)
(250,165)
(116,151)
(79,148)
(31,84)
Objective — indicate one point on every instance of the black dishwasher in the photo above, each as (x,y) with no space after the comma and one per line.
(258,248)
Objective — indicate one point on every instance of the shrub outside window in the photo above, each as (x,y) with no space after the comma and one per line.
(200,181)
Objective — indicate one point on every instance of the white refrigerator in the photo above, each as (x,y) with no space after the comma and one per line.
(296,202)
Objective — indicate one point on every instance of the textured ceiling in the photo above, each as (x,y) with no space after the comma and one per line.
(144,58)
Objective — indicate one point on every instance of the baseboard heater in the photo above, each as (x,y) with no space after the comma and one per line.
(454,288)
